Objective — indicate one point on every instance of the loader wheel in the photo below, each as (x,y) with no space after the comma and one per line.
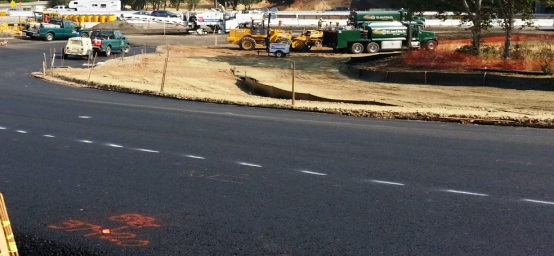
(357,48)
(372,47)
(284,41)
(248,43)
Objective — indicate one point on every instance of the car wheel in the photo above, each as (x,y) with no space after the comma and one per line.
(108,51)
(279,54)
(49,37)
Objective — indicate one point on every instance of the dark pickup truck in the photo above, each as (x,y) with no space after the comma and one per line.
(107,41)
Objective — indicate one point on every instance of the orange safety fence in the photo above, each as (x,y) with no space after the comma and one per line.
(7,239)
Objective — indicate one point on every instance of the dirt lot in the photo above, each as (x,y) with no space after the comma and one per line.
(209,73)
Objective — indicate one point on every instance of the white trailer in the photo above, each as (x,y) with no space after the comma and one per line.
(95,5)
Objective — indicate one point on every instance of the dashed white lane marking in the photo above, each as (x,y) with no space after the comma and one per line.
(20,131)
(114,145)
(85,117)
(85,141)
(195,157)
(464,192)
(3,128)
(249,164)
(314,173)
(538,201)
(146,150)
(48,136)
(387,182)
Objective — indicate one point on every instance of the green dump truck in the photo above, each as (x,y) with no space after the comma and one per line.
(376,36)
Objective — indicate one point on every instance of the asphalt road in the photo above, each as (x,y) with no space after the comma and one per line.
(87,172)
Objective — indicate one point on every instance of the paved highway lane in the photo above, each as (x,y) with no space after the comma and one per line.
(117,174)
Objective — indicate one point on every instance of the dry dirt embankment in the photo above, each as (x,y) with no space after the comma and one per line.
(210,74)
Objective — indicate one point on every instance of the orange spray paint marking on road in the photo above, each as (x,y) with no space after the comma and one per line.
(113,235)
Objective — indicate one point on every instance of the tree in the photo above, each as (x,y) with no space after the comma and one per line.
(506,12)
(248,3)
(281,2)
(135,4)
(478,13)
(191,4)
(175,4)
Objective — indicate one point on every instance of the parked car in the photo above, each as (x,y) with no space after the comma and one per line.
(147,13)
(163,13)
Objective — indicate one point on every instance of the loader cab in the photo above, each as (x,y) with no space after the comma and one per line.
(258,27)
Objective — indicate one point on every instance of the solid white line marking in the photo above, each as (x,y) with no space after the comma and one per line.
(147,150)
(387,182)
(195,157)
(315,173)
(21,131)
(538,201)
(249,164)
(49,136)
(464,192)
(114,145)
(85,141)
(85,117)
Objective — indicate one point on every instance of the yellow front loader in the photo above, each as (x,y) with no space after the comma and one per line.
(306,40)
(254,34)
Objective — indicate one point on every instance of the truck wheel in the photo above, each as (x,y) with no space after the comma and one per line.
(279,54)
(248,43)
(357,48)
(126,49)
(108,51)
(431,45)
(49,37)
(372,47)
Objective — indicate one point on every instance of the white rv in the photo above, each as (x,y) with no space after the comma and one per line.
(95,5)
